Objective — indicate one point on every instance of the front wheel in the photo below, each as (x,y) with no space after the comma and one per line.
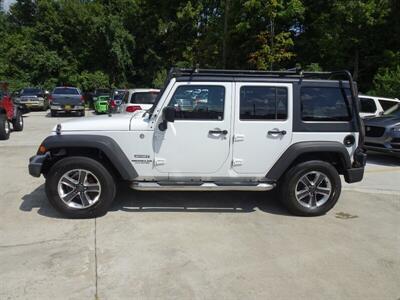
(80,187)
(4,127)
(18,121)
(311,188)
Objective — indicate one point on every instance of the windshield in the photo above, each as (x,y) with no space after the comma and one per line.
(118,95)
(66,91)
(393,111)
(100,92)
(31,92)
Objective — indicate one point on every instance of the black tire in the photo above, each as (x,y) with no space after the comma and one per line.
(4,127)
(82,113)
(290,185)
(18,121)
(105,179)
(53,113)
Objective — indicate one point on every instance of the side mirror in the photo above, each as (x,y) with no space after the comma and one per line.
(168,115)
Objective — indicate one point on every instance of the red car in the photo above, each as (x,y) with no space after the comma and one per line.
(9,114)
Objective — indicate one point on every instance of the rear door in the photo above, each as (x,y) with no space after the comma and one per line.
(262,125)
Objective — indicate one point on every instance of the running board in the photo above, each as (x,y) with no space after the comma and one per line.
(206,186)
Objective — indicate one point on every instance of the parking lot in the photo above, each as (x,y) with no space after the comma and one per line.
(175,245)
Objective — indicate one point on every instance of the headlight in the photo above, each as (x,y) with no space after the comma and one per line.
(397,128)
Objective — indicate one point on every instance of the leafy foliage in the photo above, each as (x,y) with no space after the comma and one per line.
(134,42)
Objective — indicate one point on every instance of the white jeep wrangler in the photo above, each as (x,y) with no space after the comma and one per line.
(214,130)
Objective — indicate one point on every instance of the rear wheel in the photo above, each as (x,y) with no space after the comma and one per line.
(18,122)
(311,188)
(80,187)
(4,127)
(82,113)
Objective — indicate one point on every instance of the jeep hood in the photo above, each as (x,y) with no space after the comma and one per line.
(384,121)
(115,122)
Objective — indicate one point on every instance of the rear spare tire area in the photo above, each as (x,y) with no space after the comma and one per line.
(311,188)
(80,187)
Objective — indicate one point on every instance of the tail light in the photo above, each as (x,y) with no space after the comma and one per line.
(133,108)
(113,104)
(50,98)
(82,99)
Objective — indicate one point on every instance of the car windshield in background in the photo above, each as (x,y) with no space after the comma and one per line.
(144,97)
(31,92)
(118,95)
(394,111)
(102,92)
(65,91)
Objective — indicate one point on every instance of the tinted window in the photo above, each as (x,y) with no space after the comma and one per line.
(144,97)
(31,92)
(66,91)
(367,105)
(387,104)
(325,104)
(199,102)
(263,103)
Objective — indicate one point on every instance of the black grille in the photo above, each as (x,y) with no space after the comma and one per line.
(373,131)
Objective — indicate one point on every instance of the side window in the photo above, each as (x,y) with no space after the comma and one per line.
(367,105)
(263,103)
(325,104)
(387,104)
(198,102)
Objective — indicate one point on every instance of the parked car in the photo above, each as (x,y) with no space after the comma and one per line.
(32,98)
(117,97)
(383,133)
(139,99)
(252,132)
(101,104)
(375,106)
(10,114)
(66,100)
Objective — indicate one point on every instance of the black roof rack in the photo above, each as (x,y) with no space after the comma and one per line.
(293,73)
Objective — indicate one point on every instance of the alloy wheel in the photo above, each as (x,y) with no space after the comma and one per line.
(313,189)
(79,188)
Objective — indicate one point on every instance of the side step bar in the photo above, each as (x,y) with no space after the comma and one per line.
(206,186)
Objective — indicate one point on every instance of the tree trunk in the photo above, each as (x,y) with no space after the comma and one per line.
(356,64)
(225,37)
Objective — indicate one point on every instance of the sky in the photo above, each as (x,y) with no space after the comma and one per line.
(7,4)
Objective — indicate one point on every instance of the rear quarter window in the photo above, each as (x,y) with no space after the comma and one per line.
(325,104)
(386,104)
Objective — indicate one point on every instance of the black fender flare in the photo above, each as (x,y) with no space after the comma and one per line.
(297,149)
(103,143)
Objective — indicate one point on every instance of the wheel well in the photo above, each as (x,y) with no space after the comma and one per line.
(94,153)
(333,158)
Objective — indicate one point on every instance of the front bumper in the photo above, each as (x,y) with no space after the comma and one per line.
(388,142)
(36,164)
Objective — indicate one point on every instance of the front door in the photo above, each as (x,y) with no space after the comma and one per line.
(262,125)
(199,139)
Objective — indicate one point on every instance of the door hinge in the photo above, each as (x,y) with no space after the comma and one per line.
(238,138)
(237,162)
(159,161)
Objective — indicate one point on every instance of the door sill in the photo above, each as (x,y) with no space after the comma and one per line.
(205,186)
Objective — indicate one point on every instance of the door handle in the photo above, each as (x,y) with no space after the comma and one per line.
(224,132)
(281,132)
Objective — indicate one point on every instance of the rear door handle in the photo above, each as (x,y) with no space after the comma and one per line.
(224,132)
(273,132)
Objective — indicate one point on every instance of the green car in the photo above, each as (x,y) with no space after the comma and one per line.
(101,104)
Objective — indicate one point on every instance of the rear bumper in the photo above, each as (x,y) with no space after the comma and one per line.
(356,172)
(36,164)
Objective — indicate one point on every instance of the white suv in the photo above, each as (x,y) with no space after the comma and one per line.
(138,99)
(214,130)
(375,106)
